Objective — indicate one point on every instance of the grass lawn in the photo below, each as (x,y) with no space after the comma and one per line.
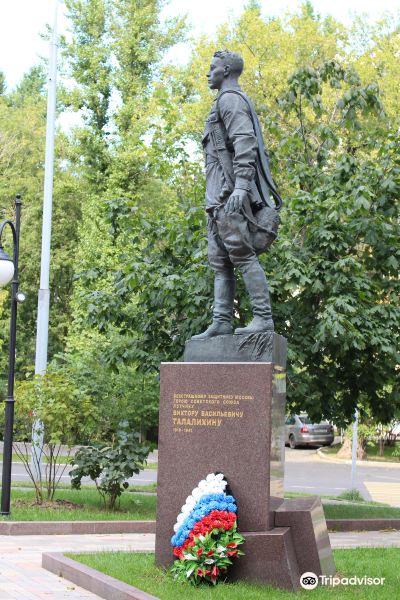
(372,453)
(80,505)
(86,504)
(152,466)
(365,510)
(151,487)
(62,460)
(139,570)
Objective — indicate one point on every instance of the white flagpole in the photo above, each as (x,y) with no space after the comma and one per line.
(44,291)
(354,451)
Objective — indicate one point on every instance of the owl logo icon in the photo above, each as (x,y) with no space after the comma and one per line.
(309,581)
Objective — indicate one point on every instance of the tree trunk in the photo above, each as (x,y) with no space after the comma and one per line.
(345,450)
(362,449)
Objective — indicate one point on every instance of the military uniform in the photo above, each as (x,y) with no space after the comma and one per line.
(230,147)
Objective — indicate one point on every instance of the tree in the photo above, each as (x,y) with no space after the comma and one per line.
(115,50)
(22,137)
(116,386)
(66,416)
(334,271)
(129,267)
(2,83)
(340,247)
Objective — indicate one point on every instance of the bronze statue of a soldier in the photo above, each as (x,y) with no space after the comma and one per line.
(241,199)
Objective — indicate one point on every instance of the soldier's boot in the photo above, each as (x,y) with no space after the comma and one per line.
(256,284)
(224,294)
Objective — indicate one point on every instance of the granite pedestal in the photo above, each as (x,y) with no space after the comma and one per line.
(223,410)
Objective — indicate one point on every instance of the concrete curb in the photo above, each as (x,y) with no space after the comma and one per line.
(360,463)
(362,524)
(75,527)
(94,581)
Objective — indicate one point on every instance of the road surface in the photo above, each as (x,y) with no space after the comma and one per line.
(305,472)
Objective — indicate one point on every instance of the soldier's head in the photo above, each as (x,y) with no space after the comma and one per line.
(225,65)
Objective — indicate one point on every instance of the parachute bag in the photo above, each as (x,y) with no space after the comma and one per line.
(263,227)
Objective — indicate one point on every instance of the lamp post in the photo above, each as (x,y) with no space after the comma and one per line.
(8,272)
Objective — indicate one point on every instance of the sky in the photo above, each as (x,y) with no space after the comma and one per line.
(21,22)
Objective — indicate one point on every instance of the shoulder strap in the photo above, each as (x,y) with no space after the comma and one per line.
(262,152)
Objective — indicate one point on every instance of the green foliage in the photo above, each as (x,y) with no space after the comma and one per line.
(209,558)
(110,467)
(31,88)
(341,223)
(2,83)
(79,505)
(333,272)
(129,275)
(22,140)
(352,495)
(65,412)
(101,367)
(139,570)
(65,415)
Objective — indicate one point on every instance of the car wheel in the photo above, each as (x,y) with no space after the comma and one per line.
(292,442)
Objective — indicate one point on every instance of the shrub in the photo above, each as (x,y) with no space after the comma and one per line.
(110,467)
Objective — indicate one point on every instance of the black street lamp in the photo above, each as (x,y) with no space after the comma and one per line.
(8,272)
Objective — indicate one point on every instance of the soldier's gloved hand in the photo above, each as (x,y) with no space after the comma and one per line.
(225,192)
(235,201)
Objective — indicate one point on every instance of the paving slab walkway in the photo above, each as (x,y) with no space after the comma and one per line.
(22,577)
(21,573)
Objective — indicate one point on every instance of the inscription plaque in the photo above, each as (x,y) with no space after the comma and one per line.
(219,417)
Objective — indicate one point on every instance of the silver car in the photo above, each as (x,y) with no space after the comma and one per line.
(301,431)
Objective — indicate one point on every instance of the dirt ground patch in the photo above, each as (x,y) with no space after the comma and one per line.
(46,504)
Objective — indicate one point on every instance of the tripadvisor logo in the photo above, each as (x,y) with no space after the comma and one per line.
(309,580)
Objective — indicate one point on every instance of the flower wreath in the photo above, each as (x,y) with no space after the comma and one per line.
(206,538)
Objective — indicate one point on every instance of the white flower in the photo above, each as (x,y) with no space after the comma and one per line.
(209,561)
(201,537)
(190,557)
(188,574)
(212,484)
(197,493)
(220,549)
(215,488)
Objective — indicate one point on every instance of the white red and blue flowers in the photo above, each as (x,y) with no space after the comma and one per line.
(206,538)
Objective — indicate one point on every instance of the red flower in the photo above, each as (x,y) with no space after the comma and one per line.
(210,553)
(216,519)
(232,553)
(208,572)
(199,552)
(217,523)
(215,571)
(200,572)
(231,545)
